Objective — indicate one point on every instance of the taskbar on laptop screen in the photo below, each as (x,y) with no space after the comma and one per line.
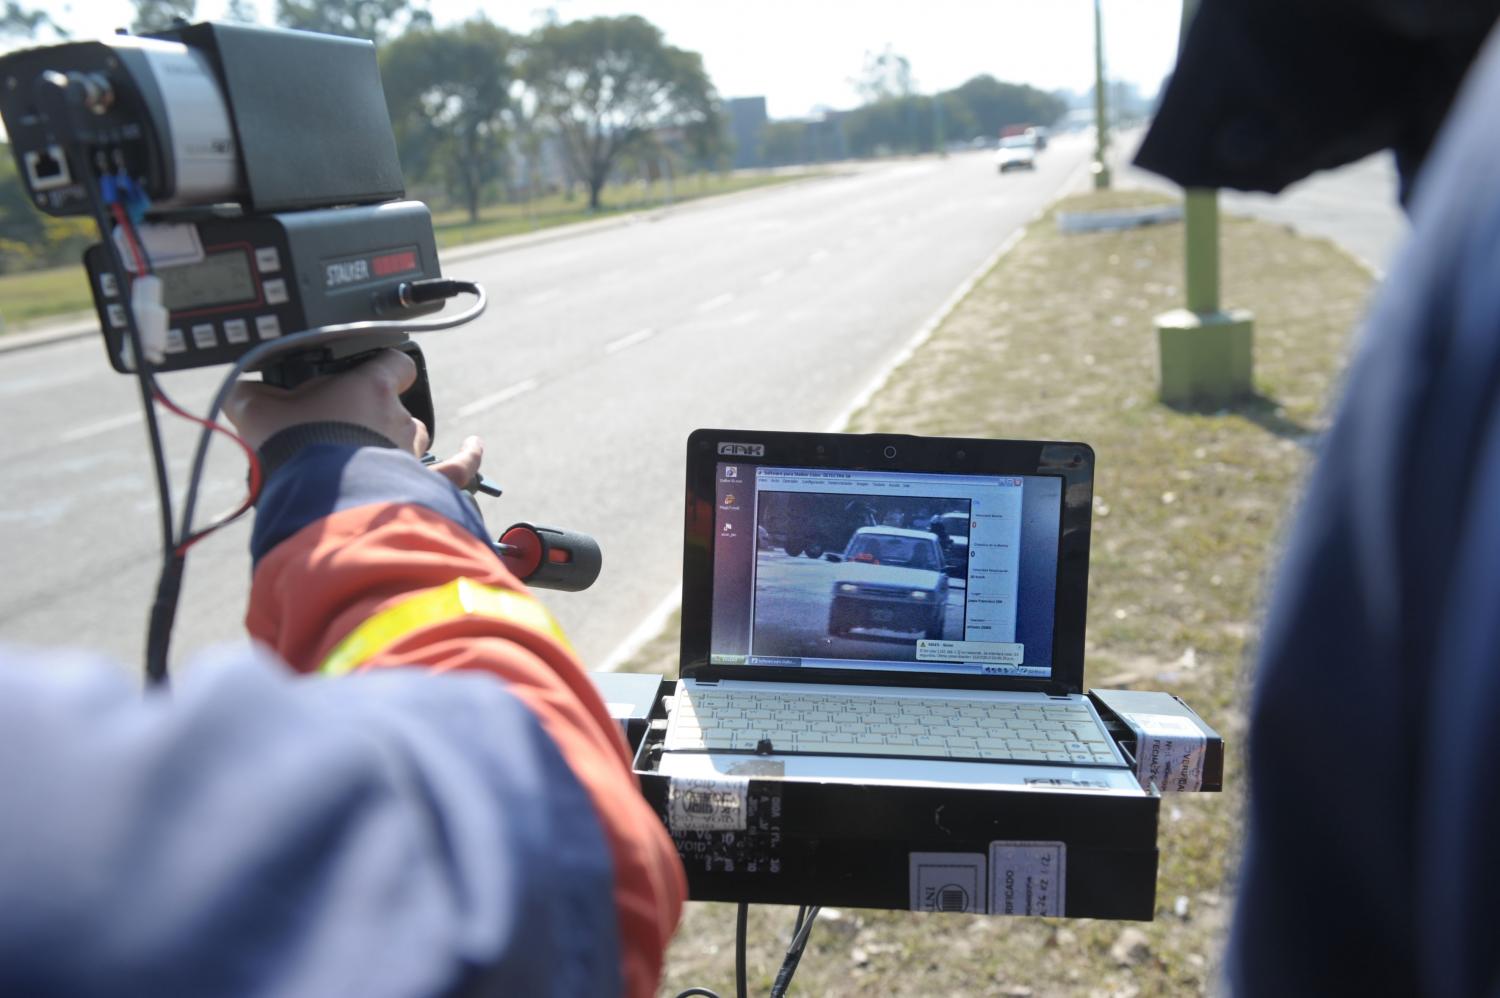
(909,572)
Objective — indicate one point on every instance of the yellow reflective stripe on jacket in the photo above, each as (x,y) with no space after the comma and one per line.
(459,598)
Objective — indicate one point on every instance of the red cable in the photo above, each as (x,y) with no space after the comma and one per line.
(135,247)
(250,457)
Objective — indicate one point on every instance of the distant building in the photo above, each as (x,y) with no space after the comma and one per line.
(747,130)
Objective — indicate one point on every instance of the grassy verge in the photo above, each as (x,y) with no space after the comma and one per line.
(28,299)
(38,295)
(1058,342)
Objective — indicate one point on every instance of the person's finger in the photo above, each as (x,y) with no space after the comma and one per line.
(421,440)
(392,369)
(246,403)
(461,468)
(242,395)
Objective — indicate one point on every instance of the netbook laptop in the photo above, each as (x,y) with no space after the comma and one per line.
(887,608)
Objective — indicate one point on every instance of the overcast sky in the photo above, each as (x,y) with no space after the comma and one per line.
(802,54)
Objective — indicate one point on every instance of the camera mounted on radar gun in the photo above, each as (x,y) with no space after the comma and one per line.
(252,212)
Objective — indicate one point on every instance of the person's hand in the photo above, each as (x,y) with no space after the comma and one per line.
(368,396)
(461,468)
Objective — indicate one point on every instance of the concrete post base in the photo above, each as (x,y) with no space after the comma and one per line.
(1205,359)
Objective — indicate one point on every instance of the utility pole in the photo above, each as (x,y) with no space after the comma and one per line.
(1205,351)
(1101,108)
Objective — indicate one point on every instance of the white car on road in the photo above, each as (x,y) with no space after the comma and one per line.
(1017,152)
(892,582)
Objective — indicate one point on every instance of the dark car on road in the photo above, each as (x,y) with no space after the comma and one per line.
(953,534)
(892,584)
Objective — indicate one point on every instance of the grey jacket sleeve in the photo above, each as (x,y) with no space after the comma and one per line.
(397,833)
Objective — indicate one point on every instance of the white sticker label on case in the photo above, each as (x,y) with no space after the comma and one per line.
(1028,878)
(1169,752)
(164,245)
(949,881)
(700,805)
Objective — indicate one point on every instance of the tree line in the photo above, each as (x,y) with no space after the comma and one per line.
(899,121)
(475,106)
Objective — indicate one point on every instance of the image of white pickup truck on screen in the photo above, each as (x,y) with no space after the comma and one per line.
(857,577)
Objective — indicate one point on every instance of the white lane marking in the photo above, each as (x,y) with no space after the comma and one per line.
(490,401)
(541,297)
(102,426)
(38,383)
(773,276)
(817,256)
(745,318)
(718,301)
(639,336)
(610,275)
(644,632)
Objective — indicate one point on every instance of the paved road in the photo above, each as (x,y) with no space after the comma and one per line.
(598,356)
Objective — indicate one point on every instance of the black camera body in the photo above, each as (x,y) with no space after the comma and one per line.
(210,114)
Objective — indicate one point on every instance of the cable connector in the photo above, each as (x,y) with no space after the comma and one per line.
(133,196)
(151,316)
(412,294)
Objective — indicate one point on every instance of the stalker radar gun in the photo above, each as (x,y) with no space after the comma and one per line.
(251,209)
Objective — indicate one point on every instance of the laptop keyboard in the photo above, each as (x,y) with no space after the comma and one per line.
(912,727)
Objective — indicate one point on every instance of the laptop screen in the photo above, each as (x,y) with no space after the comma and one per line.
(903,571)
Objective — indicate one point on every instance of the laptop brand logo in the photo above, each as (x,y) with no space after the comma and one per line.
(743,450)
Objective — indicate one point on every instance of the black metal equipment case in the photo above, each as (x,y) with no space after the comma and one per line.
(924,847)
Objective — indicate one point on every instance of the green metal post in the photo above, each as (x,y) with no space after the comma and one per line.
(1206,358)
(1101,108)
(1200,218)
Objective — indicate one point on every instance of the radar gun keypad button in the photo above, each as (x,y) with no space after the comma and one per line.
(236,331)
(204,336)
(267,259)
(276,292)
(267,327)
(176,343)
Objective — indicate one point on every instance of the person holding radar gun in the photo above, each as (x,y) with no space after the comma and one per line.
(408,785)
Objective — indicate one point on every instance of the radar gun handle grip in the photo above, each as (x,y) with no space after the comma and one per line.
(551,558)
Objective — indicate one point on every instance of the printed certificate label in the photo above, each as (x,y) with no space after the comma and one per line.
(1170,752)
(1028,878)
(707,805)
